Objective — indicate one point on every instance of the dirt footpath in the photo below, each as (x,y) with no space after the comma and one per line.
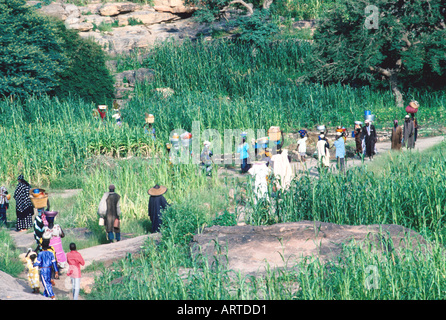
(382,148)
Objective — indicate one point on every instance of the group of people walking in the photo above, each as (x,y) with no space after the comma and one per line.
(405,135)
(46,261)
(365,141)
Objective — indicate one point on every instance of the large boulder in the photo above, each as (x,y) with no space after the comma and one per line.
(146,17)
(249,249)
(113,9)
(16,289)
(172,6)
(54,9)
(122,40)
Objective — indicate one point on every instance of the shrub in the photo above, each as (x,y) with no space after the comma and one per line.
(86,75)
(31,54)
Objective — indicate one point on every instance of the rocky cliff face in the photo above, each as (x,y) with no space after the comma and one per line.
(121,27)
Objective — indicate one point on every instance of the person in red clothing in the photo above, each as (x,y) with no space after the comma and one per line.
(75,261)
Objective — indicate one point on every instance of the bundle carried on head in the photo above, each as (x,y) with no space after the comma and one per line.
(412,107)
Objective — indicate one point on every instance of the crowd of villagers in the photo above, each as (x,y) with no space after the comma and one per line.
(45,261)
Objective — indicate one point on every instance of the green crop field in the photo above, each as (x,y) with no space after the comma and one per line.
(223,84)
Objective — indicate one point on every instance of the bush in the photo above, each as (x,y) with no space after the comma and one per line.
(86,75)
(31,55)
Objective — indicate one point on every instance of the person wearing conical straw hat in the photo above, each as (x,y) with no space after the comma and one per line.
(156,203)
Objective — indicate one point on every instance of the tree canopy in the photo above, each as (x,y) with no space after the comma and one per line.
(398,41)
(39,55)
(30,53)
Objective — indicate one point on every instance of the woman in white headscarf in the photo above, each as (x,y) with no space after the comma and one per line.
(323,152)
(4,204)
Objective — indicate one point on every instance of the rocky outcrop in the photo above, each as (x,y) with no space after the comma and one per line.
(172,6)
(251,249)
(16,289)
(122,27)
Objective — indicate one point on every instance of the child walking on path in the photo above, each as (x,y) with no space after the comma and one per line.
(75,261)
(33,272)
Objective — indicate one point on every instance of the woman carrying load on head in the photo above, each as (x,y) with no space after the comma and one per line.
(54,233)
(24,206)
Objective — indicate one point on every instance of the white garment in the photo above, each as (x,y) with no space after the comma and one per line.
(282,168)
(320,146)
(302,143)
(56,231)
(102,210)
(323,153)
(260,172)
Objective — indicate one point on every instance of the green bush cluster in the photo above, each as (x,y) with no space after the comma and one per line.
(38,55)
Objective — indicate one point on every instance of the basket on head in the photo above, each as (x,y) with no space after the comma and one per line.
(40,201)
(37,192)
(150,118)
(274,133)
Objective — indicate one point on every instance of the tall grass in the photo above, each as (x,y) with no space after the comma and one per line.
(409,191)
(360,272)
(9,261)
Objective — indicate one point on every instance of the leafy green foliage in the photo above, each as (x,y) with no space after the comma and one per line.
(86,75)
(406,42)
(31,55)
(257,29)
(38,55)
(300,9)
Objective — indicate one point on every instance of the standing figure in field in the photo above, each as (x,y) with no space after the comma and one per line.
(4,205)
(46,261)
(369,135)
(150,131)
(358,142)
(244,155)
(156,203)
(323,152)
(396,136)
(408,133)
(110,210)
(302,145)
(415,126)
(340,151)
(206,158)
(24,206)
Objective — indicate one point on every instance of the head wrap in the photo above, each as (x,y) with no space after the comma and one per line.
(3,193)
